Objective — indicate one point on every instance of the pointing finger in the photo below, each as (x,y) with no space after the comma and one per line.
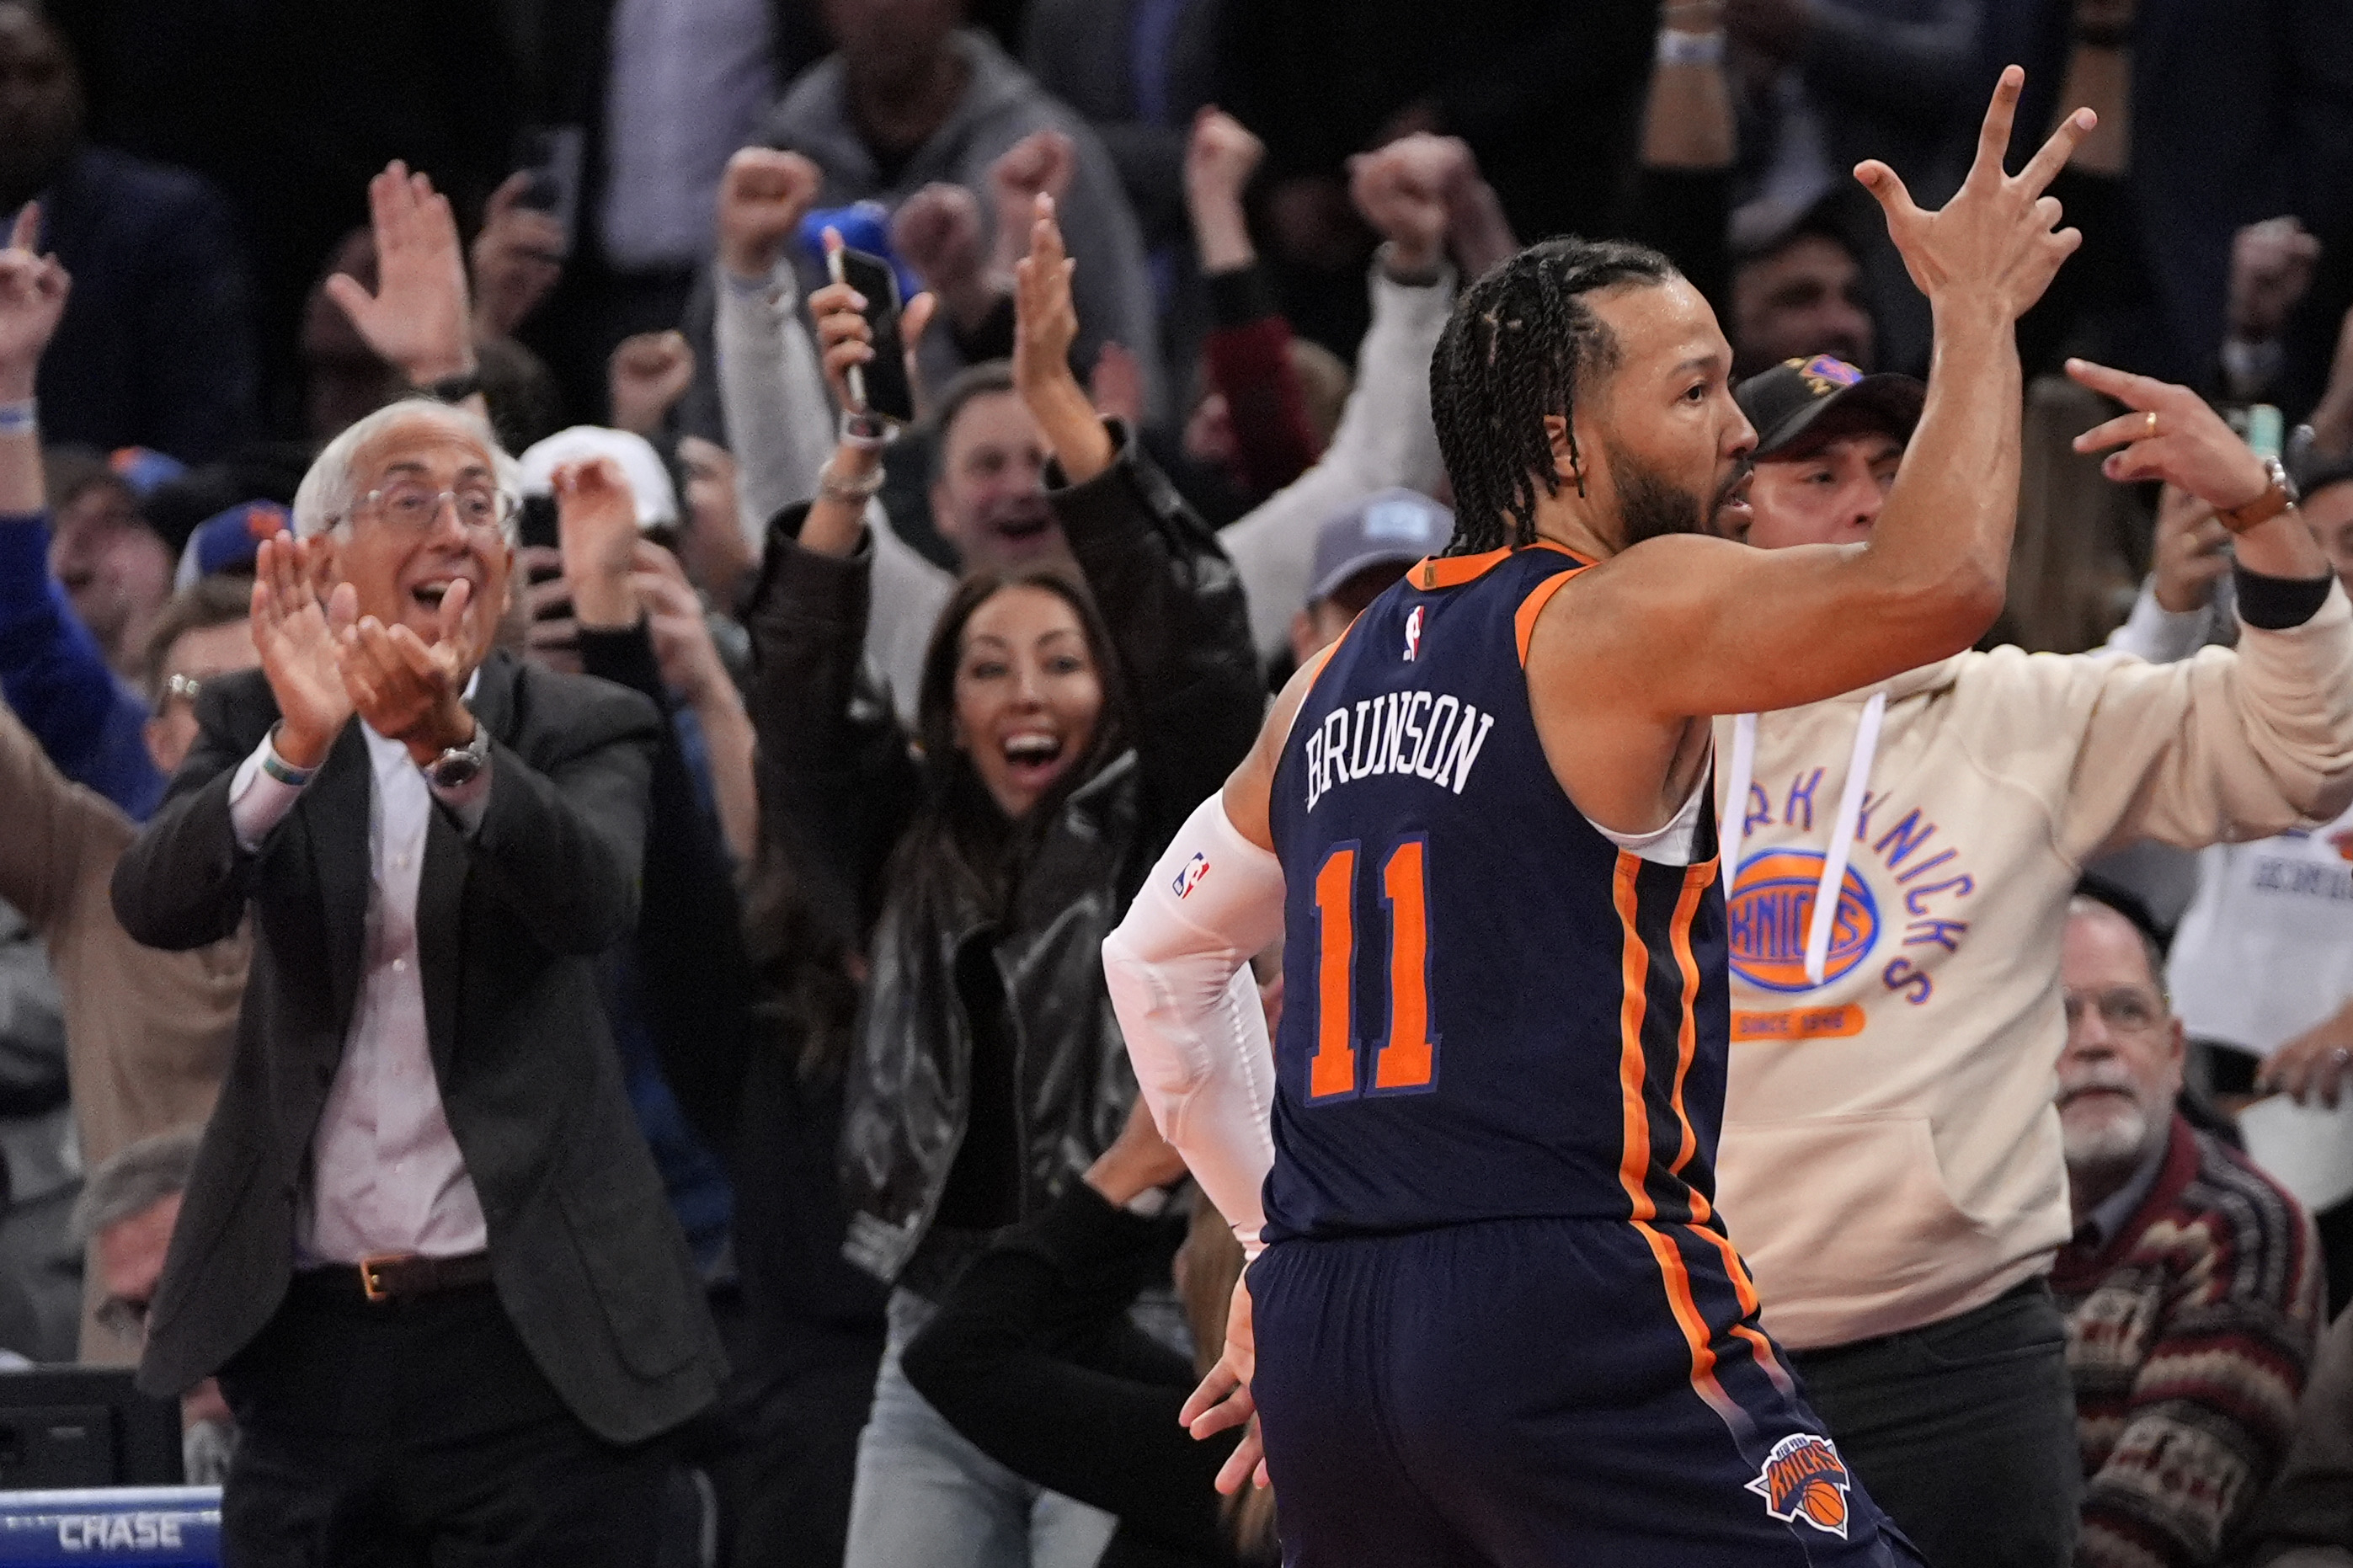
(2139,392)
(27,228)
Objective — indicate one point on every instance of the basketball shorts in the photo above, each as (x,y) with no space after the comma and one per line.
(1541,1394)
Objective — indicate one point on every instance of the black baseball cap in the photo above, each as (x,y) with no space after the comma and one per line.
(1784,402)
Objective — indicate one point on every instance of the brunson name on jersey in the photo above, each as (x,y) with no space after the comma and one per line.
(1433,736)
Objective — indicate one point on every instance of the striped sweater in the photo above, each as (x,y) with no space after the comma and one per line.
(2189,1337)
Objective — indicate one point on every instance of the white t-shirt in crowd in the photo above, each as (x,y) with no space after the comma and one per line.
(2266,950)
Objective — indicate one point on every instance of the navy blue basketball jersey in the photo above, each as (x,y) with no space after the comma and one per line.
(1490,1010)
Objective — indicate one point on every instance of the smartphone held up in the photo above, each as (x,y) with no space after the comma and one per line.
(879,386)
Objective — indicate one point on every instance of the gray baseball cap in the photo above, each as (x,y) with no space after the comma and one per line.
(1393,527)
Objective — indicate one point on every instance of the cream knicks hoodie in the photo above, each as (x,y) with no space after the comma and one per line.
(1890,1154)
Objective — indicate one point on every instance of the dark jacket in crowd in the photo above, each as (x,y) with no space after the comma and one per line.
(683,987)
(840,773)
(1033,1358)
(156,346)
(586,1258)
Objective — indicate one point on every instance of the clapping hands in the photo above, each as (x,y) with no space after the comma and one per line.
(324,661)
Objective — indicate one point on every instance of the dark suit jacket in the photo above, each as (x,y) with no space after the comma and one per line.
(586,1256)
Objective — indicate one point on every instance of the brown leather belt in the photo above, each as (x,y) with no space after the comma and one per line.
(391,1276)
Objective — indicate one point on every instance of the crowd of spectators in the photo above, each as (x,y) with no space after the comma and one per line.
(311,314)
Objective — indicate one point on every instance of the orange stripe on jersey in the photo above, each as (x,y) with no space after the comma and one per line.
(1633,1065)
(1697,879)
(1453,571)
(1696,1337)
(1523,624)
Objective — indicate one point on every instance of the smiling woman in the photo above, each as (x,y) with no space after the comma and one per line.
(1014,686)
(1071,712)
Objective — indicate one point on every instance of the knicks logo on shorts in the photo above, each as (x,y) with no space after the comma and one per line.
(1772,910)
(1803,1478)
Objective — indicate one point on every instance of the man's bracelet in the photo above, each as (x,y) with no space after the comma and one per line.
(20,418)
(278,767)
(854,493)
(1690,49)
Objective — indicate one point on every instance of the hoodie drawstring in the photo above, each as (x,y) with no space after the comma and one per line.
(1744,769)
(1850,816)
(1842,830)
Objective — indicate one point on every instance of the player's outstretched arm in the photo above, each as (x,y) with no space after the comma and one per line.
(1700,625)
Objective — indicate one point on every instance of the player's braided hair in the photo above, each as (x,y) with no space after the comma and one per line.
(1520,343)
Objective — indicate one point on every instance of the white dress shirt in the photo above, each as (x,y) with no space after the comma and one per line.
(385,1175)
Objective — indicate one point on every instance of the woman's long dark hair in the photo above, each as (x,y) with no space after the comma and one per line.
(961,836)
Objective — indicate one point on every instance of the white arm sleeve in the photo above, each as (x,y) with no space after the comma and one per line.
(1178,970)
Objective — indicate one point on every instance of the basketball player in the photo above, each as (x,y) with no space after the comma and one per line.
(1497,1320)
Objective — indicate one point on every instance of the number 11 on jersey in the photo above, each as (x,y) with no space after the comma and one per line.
(1406,1059)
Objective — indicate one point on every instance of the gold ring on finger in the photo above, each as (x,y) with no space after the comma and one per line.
(2149,430)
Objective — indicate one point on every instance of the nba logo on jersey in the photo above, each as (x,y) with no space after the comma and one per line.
(1190,876)
(1413,633)
(1803,1478)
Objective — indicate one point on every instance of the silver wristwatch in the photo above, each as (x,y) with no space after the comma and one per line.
(460,765)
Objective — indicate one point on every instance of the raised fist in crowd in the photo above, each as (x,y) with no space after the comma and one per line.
(2271,267)
(763,197)
(936,232)
(518,259)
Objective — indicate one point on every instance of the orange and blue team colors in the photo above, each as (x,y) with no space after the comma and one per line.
(1499,1320)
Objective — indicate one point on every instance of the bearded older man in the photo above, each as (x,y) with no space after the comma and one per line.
(2192,1287)
(424,1247)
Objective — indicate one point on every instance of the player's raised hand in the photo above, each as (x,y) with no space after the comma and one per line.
(419,320)
(1997,242)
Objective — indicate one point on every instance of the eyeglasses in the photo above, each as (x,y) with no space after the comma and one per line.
(2126,1009)
(413,508)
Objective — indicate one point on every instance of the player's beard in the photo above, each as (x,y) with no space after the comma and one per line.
(1649,503)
